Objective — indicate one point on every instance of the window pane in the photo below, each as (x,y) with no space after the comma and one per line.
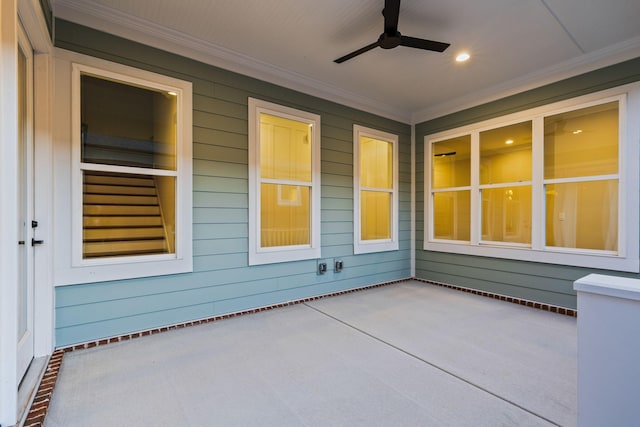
(451,163)
(582,142)
(126,214)
(284,215)
(583,215)
(285,149)
(375,215)
(505,154)
(376,163)
(506,214)
(127,125)
(451,215)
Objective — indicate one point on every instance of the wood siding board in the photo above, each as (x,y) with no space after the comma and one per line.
(333,144)
(220,216)
(345,227)
(225,108)
(216,184)
(337,192)
(339,251)
(330,203)
(220,246)
(215,152)
(214,263)
(345,181)
(219,122)
(220,169)
(336,168)
(206,135)
(337,156)
(336,215)
(335,133)
(336,239)
(219,200)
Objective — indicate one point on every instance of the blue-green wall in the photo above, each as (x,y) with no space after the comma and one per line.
(551,284)
(222,281)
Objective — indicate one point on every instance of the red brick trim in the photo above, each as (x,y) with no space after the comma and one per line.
(40,404)
(533,304)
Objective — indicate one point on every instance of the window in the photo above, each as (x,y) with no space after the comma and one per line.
(581,177)
(505,184)
(284,183)
(542,185)
(131,175)
(375,190)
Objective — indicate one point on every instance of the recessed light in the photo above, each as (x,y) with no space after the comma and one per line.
(509,141)
(577,131)
(462,57)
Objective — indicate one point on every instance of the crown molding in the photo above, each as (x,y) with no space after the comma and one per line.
(108,20)
(620,52)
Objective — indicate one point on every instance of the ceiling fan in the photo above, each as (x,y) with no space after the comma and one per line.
(392,38)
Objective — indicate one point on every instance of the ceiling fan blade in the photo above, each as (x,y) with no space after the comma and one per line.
(391,12)
(423,44)
(356,53)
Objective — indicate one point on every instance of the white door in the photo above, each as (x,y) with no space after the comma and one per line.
(26,227)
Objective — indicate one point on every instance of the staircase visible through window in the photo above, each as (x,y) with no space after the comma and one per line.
(122,216)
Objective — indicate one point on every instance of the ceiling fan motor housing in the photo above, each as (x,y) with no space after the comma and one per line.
(389,41)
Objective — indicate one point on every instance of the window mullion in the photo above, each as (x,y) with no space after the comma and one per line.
(126,169)
(586,178)
(476,202)
(377,189)
(506,184)
(538,225)
(286,182)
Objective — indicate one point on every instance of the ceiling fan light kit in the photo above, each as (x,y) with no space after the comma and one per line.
(392,38)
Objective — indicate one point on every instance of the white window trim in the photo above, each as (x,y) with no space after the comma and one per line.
(369,246)
(627,256)
(257,254)
(71,267)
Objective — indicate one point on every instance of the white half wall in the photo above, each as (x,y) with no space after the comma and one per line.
(608,351)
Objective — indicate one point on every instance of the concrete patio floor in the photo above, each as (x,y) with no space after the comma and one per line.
(408,354)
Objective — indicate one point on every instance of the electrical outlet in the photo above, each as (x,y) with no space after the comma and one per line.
(322,267)
(337,265)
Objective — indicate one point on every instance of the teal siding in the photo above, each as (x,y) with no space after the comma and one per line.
(551,284)
(222,281)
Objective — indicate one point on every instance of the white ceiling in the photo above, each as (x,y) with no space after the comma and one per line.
(515,44)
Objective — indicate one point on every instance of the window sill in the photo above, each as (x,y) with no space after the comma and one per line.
(588,259)
(121,271)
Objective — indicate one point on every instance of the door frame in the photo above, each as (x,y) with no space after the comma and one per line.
(30,14)
(26,196)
